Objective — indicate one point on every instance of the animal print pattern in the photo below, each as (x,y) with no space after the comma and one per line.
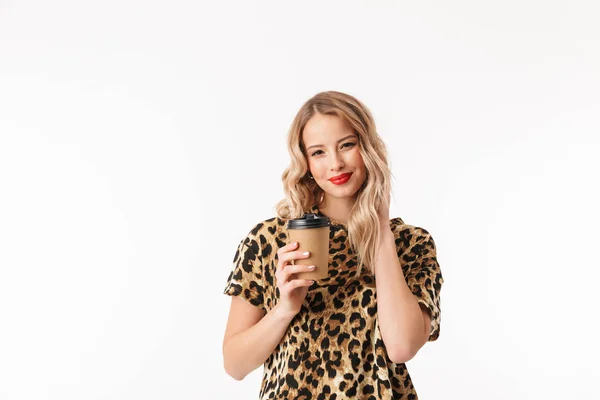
(333,348)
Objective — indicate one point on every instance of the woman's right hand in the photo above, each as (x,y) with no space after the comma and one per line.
(292,292)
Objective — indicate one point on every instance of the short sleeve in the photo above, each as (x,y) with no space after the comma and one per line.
(417,253)
(246,277)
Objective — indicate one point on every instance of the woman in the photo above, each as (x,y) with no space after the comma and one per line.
(346,336)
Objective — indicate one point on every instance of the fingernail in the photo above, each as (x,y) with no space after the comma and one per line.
(311,267)
(305,253)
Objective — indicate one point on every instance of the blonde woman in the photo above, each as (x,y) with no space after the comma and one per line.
(346,336)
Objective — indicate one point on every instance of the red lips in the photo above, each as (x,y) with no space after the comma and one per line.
(340,179)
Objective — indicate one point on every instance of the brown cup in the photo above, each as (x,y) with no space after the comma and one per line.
(312,234)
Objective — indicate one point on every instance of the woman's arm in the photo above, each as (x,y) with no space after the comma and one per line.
(404,325)
(251,336)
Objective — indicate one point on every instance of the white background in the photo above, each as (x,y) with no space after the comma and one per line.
(140,141)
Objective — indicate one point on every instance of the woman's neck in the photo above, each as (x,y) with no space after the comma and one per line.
(337,208)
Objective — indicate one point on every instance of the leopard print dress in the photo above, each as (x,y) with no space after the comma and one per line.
(333,347)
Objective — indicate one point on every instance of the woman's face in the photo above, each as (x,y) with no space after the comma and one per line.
(332,152)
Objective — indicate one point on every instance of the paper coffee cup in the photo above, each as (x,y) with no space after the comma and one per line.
(312,234)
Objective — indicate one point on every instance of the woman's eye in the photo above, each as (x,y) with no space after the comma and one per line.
(347,144)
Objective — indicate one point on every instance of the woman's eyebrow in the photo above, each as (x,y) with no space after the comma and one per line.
(342,139)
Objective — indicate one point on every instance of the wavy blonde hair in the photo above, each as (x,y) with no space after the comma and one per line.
(301,192)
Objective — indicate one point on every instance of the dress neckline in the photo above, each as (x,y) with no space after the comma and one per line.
(315,210)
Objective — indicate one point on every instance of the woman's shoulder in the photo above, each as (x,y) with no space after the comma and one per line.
(402,228)
(268,228)
(411,237)
(264,238)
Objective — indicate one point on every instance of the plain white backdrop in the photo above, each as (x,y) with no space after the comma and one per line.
(140,141)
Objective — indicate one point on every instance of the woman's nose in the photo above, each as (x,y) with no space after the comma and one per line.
(336,162)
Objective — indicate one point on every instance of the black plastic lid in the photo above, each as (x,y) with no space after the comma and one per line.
(308,221)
